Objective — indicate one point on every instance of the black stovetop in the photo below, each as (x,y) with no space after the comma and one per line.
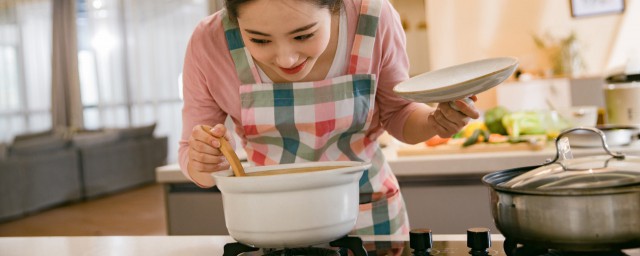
(443,245)
(440,248)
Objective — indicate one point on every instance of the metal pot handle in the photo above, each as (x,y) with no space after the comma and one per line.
(617,155)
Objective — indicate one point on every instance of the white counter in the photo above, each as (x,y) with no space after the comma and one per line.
(483,163)
(155,245)
(453,164)
(114,245)
(143,245)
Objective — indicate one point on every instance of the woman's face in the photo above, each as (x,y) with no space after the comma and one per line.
(285,36)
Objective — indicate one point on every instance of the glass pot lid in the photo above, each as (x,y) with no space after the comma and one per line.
(596,172)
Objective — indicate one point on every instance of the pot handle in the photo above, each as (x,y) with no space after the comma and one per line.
(617,155)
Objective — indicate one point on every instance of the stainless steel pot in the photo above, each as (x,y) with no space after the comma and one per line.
(570,212)
(616,135)
(293,209)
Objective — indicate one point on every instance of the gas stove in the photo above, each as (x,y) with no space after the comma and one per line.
(421,242)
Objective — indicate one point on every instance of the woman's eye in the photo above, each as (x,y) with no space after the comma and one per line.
(304,37)
(259,41)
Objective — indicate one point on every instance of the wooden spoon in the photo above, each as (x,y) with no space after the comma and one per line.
(227,151)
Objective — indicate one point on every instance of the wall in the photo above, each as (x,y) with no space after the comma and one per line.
(467,30)
(461,31)
(625,53)
(414,23)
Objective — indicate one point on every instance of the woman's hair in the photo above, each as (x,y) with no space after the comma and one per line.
(232,6)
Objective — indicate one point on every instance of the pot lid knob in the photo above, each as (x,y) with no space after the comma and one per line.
(479,240)
(420,240)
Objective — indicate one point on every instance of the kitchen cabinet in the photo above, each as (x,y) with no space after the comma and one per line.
(532,95)
(562,92)
(447,205)
(442,192)
(192,210)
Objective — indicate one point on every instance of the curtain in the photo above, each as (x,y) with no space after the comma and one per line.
(66,107)
(25,67)
(131,54)
(108,63)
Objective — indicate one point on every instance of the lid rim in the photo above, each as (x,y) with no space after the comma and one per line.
(568,174)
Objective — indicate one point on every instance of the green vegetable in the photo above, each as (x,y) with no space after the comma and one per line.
(486,135)
(472,139)
(524,122)
(493,120)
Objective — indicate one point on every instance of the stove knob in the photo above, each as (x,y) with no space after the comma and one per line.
(479,240)
(420,241)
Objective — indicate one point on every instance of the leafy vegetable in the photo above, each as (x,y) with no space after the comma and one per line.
(493,119)
(524,122)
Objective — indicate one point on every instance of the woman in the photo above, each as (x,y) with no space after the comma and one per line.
(307,80)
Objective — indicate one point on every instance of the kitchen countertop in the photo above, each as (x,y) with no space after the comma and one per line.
(484,163)
(146,245)
(174,245)
(439,165)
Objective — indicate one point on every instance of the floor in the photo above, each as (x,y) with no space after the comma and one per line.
(139,211)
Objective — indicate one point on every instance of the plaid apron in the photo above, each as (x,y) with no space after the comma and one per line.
(323,121)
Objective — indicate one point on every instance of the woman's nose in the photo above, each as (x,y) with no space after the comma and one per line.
(286,57)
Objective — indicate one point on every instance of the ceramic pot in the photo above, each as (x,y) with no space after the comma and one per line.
(293,209)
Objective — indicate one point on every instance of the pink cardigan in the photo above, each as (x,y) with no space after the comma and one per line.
(211,83)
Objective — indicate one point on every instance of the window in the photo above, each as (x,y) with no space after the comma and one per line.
(130,55)
(25,67)
(130,59)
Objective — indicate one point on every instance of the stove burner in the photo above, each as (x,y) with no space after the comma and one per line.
(304,251)
(353,244)
(512,248)
(235,249)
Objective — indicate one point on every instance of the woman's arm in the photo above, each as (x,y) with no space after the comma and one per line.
(206,60)
(407,121)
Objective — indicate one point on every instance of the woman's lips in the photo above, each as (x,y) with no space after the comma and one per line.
(295,69)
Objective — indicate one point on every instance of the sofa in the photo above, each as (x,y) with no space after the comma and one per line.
(42,170)
(116,159)
(37,172)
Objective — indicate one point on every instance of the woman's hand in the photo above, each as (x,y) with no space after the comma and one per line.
(205,156)
(446,121)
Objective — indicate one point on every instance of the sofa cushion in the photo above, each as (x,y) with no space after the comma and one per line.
(87,139)
(30,136)
(37,145)
(136,132)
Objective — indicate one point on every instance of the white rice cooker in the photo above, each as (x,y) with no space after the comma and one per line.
(622,99)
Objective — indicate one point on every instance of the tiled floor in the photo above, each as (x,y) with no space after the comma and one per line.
(136,212)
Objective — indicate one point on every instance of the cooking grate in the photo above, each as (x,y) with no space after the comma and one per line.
(347,243)
(303,252)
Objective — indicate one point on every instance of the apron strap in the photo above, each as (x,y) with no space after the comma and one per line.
(245,68)
(362,51)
